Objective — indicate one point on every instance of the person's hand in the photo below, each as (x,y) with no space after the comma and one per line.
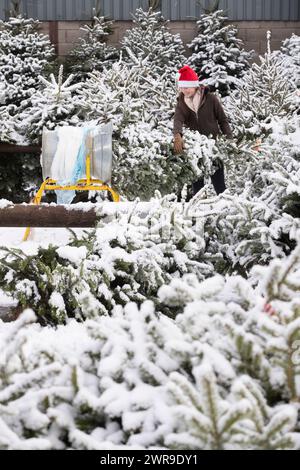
(257,146)
(178,144)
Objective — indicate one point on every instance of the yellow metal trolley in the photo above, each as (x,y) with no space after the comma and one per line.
(98,165)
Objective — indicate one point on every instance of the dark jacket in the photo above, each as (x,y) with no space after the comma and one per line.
(210,119)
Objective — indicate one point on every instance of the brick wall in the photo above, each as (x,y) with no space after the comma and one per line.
(65,33)
(253,33)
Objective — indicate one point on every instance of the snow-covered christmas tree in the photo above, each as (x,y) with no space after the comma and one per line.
(24,55)
(291,49)
(218,55)
(150,43)
(264,92)
(92,51)
(55,103)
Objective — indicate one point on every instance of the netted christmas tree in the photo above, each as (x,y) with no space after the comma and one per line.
(150,43)
(55,103)
(92,51)
(218,55)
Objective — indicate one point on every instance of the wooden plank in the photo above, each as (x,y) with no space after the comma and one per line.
(51,216)
(11,148)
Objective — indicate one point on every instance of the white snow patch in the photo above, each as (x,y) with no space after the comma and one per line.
(72,253)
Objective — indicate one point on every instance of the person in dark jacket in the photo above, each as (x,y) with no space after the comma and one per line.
(199,110)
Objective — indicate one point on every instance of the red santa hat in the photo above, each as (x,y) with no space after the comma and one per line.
(187,78)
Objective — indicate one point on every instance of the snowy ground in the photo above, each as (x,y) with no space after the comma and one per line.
(12,237)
